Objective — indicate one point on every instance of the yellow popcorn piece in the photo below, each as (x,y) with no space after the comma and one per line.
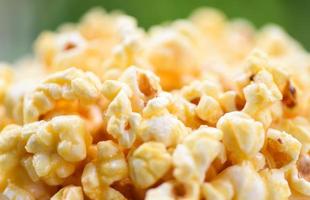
(158,106)
(242,136)
(197,89)
(70,84)
(299,184)
(166,129)
(203,97)
(149,163)
(69,193)
(55,147)
(6,76)
(109,166)
(174,190)
(276,184)
(122,123)
(274,41)
(166,103)
(298,127)
(143,84)
(236,182)
(88,44)
(193,157)
(6,79)
(171,54)
(281,149)
(211,21)
(128,52)
(230,101)
(209,110)
(11,151)
(299,176)
(13,192)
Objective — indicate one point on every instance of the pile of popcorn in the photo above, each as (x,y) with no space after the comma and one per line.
(201,108)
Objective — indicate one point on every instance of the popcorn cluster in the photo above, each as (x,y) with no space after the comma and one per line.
(202,108)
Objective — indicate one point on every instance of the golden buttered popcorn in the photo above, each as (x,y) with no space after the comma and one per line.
(200,108)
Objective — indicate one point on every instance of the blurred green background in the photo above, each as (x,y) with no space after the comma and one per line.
(22,20)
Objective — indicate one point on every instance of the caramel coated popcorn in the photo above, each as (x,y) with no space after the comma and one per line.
(199,108)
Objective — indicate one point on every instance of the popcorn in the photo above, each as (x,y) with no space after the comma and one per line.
(105,110)
(297,183)
(122,123)
(172,57)
(238,181)
(69,193)
(298,127)
(88,44)
(11,151)
(149,163)
(281,150)
(5,79)
(55,147)
(230,101)
(143,84)
(242,136)
(109,166)
(14,192)
(209,110)
(70,84)
(193,157)
(174,190)
(276,184)
(166,129)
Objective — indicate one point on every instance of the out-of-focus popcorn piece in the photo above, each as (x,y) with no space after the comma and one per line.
(71,84)
(298,127)
(242,136)
(109,166)
(278,44)
(11,151)
(258,161)
(212,22)
(281,149)
(209,110)
(194,155)
(6,76)
(231,101)
(129,52)
(149,163)
(276,184)
(174,190)
(88,44)
(13,192)
(69,193)
(298,182)
(172,57)
(236,182)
